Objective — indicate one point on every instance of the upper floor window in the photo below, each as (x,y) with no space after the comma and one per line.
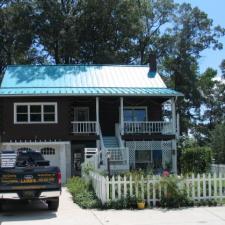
(35,112)
(135,113)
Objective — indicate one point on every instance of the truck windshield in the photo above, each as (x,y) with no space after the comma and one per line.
(28,157)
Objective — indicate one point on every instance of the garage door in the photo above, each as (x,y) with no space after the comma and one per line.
(52,155)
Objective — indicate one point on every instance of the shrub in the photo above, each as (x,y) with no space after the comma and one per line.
(82,193)
(176,195)
(196,159)
(129,202)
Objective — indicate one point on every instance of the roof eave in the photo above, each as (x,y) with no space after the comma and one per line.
(88,95)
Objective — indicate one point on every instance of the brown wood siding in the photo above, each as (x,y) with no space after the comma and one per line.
(109,115)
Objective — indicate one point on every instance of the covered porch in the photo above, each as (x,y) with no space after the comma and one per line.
(134,116)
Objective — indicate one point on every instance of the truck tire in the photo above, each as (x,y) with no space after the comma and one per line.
(53,204)
(2,202)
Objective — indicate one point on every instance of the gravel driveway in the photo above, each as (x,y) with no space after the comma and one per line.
(69,214)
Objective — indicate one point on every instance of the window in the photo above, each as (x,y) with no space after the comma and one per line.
(22,113)
(35,112)
(24,149)
(135,114)
(48,151)
(143,156)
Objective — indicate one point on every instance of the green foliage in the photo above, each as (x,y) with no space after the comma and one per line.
(176,195)
(218,143)
(124,203)
(87,168)
(16,31)
(222,67)
(82,193)
(196,159)
(213,102)
(192,32)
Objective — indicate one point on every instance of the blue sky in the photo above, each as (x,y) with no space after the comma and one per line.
(216,11)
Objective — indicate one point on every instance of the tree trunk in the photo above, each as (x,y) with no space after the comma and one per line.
(56,51)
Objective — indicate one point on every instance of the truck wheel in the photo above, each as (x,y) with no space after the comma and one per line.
(53,204)
(1,205)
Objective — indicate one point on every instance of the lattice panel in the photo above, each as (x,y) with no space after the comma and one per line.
(141,145)
(156,145)
(131,146)
(167,145)
(166,157)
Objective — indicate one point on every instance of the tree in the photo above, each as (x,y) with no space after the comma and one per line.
(154,16)
(108,30)
(192,33)
(222,67)
(89,31)
(16,33)
(212,105)
(55,26)
(218,143)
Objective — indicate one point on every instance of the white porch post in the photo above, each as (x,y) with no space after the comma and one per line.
(174,156)
(173,115)
(63,162)
(97,114)
(121,116)
(174,142)
(178,126)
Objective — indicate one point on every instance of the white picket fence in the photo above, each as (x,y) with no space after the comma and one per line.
(218,168)
(200,187)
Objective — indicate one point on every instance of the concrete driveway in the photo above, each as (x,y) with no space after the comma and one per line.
(69,214)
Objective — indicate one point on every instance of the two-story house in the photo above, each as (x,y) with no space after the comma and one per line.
(62,109)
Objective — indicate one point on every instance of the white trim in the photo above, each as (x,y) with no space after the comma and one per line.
(173,107)
(97,114)
(91,95)
(121,116)
(42,104)
(36,143)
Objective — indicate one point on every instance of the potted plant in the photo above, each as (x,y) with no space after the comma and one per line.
(138,180)
(140,203)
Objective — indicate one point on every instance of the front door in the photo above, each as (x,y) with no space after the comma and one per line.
(81,114)
(77,158)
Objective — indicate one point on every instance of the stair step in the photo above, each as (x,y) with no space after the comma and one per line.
(110,142)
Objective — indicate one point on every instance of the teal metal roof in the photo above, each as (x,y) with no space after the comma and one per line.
(90,91)
(82,80)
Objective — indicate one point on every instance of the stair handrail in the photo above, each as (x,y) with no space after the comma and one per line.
(118,135)
(103,149)
(102,146)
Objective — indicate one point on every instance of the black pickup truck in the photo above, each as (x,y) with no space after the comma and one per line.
(30,177)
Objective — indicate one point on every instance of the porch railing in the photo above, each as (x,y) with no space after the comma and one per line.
(85,127)
(118,155)
(148,127)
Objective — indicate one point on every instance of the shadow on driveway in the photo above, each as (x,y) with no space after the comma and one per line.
(21,211)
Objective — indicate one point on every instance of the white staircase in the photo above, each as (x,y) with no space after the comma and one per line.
(112,146)
(110,142)
(111,151)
